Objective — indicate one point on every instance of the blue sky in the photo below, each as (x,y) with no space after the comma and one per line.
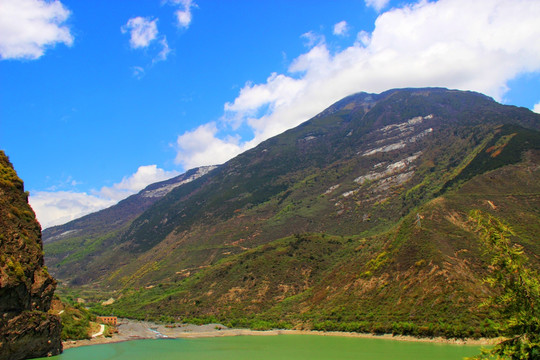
(100,98)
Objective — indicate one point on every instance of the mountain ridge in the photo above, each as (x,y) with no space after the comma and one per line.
(129,207)
(359,171)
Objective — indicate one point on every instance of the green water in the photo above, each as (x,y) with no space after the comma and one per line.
(269,347)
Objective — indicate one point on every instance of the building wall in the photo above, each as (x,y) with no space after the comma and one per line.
(110,320)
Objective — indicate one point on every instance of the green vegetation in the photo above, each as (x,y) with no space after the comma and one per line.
(505,148)
(8,176)
(518,301)
(75,323)
(357,220)
(27,330)
(433,270)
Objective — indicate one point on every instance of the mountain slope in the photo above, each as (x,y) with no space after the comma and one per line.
(80,241)
(423,277)
(360,170)
(118,215)
(26,289)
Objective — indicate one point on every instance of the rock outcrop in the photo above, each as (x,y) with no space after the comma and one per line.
(27,330)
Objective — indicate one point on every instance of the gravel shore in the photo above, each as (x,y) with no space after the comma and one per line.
(137,330)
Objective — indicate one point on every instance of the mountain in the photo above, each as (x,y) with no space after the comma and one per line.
(118,215)
(98,230)
(355,219)
(26,289)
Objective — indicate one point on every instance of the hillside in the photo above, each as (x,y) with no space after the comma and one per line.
(333,221)
(26,289)
(117,216)
(84,238)
(423,277)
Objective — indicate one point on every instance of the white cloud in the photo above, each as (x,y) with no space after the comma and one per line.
(28,27)
(183,15)
(377,4)
(142,31)
(58,207)
(363,37)
(469,45)
(67,182)
(536,108)
(138,72)
(165,50)
(202,147)
(341,28)
(134,183)
(312,38)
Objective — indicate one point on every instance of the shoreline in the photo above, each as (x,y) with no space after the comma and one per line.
(129,330)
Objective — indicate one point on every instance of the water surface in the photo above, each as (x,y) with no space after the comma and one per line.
(269,347)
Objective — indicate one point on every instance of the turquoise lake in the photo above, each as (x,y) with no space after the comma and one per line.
(269,347)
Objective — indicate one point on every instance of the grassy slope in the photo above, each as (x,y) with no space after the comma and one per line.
(81,249)
(420,277)
(307,206)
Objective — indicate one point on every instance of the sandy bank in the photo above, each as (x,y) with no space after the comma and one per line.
(137,330)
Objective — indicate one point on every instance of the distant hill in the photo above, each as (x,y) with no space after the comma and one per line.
(94,233)
(118,215)
(27,330)
(356,219)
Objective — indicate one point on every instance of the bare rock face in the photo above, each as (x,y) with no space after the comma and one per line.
(26,288)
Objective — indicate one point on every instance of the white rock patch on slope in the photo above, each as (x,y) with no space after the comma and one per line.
(165,189)
(403,129)
(390,169)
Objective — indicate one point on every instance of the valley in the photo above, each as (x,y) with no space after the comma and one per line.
(189,179)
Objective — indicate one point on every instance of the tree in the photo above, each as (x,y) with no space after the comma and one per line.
(517,289)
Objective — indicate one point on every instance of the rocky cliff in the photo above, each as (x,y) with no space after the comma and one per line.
(26,288)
